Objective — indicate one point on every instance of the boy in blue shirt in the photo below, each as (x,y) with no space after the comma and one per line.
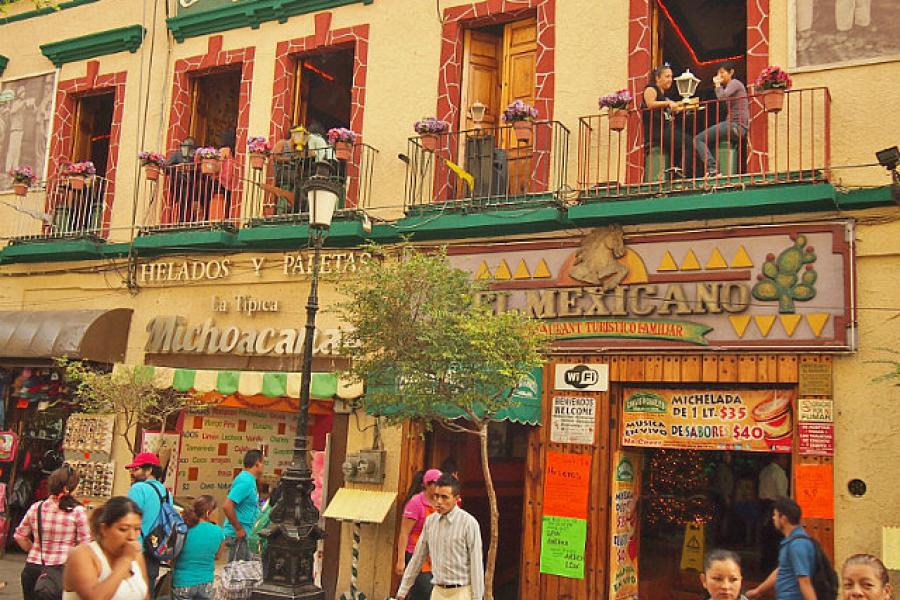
(241,506)
(792,580)
(146,489)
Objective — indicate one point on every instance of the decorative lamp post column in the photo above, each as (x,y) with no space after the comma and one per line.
(294,532)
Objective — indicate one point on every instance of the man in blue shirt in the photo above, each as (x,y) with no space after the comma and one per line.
(241,507)
(146,471)
(792,580)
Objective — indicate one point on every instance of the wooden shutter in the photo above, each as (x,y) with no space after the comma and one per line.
(84,129)
(198,112)
(519,55)
(482,77)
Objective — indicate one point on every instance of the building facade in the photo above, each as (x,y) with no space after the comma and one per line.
(725,324)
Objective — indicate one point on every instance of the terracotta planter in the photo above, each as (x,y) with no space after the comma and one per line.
(257,161)
(268,209)
(343,150)
(210,166)
(524,130)
(217,208)
(429,141)
(20,189)
(77,182)
(618,118)
(152,172)
(773,100)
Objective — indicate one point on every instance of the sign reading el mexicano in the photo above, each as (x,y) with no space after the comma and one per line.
(752,287)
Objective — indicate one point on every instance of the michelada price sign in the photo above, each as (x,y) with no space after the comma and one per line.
(708,419)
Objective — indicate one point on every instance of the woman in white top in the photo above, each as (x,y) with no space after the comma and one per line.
(112,566)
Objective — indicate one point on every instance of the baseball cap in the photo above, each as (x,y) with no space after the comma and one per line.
(431,475)
(144,458)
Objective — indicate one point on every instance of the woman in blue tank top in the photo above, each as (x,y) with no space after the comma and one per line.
(195,566)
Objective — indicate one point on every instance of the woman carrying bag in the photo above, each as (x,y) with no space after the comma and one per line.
(195,566)
(49,530)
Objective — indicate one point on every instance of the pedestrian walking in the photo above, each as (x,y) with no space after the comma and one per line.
(195,567)
(451,538)
(49,530)
(419,504)
(721,576)
(864,577)
(773,484)
(112,566)
(792,578)
(241,507)
(149,494)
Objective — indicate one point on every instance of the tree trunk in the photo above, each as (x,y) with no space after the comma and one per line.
(495,515)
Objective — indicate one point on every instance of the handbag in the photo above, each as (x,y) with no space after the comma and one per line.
(49,584)
(238,578)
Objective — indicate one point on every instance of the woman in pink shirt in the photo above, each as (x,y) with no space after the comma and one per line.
(418,505)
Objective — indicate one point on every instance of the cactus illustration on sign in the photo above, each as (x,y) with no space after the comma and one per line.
(781,278)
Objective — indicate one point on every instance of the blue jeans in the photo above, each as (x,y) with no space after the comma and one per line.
(721,131)
(202,591)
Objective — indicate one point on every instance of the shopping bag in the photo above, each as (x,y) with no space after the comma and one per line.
(238,578)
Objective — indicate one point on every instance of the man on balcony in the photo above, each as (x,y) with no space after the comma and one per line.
(736,123)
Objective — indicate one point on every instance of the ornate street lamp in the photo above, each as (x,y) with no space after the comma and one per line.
(294,532)
(687,85)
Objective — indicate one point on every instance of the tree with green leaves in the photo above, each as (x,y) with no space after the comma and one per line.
(427,350)
(38,4)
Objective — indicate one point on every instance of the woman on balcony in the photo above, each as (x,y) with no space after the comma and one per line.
(659,125)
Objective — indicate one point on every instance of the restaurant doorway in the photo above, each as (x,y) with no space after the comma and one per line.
(214,108)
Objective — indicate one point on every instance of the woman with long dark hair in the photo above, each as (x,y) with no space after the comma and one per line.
(112,566)
(51,528)
(660,128)
(196,565)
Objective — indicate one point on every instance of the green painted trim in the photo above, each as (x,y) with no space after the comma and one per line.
(94,44)
(4,60)
(169,242)
(246,14)
(40,12)
(51,251)
(866,198)
(344,233)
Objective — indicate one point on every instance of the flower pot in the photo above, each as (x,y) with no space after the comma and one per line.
(523,129)
(152,172)
(773,100)
(343,150)
(618,118)
(217,208)
(268,209)
(429,141)
(20,189)
(77,182)
(210,166)
(257,161)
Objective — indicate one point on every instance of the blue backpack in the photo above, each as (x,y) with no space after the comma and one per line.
(166,537)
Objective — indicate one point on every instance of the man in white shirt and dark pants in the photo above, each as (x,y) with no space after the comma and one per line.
(773,484)
(451,537)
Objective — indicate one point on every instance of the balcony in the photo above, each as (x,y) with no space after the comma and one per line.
(487,167)
(650,154)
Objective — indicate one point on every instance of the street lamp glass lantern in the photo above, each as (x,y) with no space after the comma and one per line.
(687,84)
(299,137)
(322,202)
(476,111)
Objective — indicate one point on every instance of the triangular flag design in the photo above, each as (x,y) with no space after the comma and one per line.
(667,263)
(739,322)
(690,262)
(502,273)
(764,323)
(483,272)
(741,260)
(790,322)
(817,322)
(542,271)
(522,271)
(716,261)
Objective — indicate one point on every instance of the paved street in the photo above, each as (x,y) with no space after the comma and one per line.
(10,568)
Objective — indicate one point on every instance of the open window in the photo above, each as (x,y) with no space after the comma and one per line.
(214,108)
(323,84)
(93,118)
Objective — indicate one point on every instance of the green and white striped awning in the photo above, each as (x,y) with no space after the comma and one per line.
(250,383)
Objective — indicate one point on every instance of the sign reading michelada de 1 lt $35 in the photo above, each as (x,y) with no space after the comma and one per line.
(708,419)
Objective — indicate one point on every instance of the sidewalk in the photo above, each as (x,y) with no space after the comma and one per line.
(10,569)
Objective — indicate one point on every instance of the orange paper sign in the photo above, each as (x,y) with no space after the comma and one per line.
(814,490)
(566,485)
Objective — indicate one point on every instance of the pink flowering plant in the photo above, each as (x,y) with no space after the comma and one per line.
(151,158)
(24,175)
(620,99)
(259,145)
(773,78)
(431,125)
(80,169)
(519,111)
(341,134)
(207,153)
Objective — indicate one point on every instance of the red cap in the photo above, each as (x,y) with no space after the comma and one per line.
(432,475)
(144,458)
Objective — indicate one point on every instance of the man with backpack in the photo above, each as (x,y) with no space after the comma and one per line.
(804,571)
(150,495)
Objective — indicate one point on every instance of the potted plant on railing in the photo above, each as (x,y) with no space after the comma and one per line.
(152,163)
(23,177)
(429,129)
(773,82)
(210,160)
(617,104)
(259,148)
(521,116)
(79,174)
(343,140)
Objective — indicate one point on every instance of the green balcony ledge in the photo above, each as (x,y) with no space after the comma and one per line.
(92,45)
(168,242)
(4,60)
(55,250)
(249,13)
(346,231)
(47,10)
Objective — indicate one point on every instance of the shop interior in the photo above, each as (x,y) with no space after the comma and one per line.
(717,490)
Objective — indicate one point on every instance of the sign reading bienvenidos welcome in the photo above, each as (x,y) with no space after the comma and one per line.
(783,287)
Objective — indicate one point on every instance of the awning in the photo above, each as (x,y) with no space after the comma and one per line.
(97,335)
(251,383)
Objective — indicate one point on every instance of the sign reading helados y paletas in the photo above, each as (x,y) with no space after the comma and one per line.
(708,419)
(780,287)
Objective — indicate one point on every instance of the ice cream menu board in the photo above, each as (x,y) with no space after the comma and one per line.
(709,419)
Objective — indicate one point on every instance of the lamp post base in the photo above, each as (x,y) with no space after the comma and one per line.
(269,591)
